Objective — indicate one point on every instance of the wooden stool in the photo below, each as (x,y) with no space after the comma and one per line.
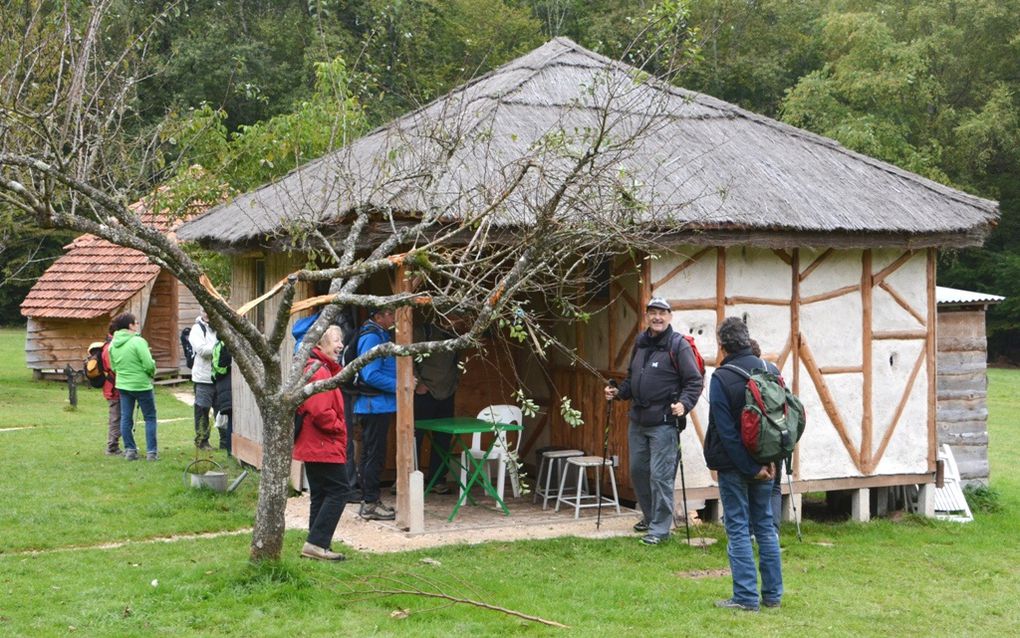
(551,463)
(579,500)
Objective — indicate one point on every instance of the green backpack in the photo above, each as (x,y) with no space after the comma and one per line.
(221,360)
(773,418)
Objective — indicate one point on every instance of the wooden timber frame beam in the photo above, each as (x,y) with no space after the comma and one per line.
(796,278)
(867,317)
(930,351)
(720,294)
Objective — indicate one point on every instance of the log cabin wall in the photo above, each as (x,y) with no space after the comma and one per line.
(963,390)
(852,330)
(51,344)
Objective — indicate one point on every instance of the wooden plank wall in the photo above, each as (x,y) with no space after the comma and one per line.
(187,310)
(50,344)
(962,412)
(161,329)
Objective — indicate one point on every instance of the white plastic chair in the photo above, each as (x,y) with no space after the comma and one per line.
(501,450)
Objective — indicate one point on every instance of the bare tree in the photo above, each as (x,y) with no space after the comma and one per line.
(503,225)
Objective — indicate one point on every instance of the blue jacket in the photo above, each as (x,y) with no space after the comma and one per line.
(724,451)
(381,374)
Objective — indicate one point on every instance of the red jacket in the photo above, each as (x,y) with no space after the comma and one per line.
(323,437)
(109,387)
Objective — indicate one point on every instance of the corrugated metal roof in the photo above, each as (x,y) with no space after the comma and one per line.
(953,296)
(710,165)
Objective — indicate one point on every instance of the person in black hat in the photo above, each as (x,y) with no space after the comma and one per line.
(663,383)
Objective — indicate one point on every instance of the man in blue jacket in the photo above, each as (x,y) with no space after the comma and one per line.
(664,382)
(745,486)
(375,411)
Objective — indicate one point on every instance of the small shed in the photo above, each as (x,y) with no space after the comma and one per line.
(828,255)
(72,303)
(962,415)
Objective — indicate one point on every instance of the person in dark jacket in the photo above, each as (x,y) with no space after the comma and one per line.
(664,384)
(322,446)
(375,412)
(223,399)
(745,486)
(112,397)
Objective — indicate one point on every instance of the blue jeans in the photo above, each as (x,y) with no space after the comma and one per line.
(147,402)
(653,473)
(747,509)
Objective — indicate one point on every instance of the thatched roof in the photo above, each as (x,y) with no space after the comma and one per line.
(726,175)
(94,277)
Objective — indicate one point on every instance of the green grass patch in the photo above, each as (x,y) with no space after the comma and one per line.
(61,496)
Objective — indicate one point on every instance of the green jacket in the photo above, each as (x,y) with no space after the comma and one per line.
(132,361)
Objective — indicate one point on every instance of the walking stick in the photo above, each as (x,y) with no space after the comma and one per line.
(680,462)
(793,501)
(605,452)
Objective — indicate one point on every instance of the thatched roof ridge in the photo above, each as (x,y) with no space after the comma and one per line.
(716,167)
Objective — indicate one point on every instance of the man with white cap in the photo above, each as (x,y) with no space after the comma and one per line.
(663,383)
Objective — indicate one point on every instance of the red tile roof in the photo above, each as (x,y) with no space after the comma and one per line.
(94,278)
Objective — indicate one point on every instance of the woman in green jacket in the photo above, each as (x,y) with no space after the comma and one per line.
(134,366)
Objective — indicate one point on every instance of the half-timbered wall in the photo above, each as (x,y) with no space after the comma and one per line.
(852,330)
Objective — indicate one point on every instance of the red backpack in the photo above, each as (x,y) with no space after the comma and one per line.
(674,346)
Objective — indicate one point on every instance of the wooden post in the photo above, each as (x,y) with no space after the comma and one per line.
(930,368)
(720,294)
(72,386)
(866,366)
(405,414)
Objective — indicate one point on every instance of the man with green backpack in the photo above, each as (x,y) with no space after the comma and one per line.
(746,478)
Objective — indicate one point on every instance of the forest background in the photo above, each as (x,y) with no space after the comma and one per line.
(246,89)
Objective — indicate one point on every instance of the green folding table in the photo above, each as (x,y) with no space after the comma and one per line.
(457,427)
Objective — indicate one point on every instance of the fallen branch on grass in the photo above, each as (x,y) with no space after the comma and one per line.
(466,601)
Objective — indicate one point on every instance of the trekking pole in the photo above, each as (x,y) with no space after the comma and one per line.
(605,452)
(793,501)
(680,462)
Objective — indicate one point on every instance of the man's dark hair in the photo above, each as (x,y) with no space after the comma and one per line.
(121,321)
(733,335)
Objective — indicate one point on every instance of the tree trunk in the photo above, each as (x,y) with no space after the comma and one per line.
(277,445)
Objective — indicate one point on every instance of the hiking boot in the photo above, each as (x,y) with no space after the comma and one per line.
(393,489)
(729,603)
(771,604)
(440,488)
(641,526)
(130,455)
(116,452)
(376,512)
(320,553)
(151,456)
(652,539)
(204,445)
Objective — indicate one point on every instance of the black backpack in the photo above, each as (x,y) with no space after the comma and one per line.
(189,352)
(350,352)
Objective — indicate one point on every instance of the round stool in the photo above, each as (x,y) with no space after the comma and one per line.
(551,464)
(579,500)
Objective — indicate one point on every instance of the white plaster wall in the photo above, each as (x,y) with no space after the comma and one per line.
(833,331)
(887,313)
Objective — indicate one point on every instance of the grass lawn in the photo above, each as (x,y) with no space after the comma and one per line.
(61,498)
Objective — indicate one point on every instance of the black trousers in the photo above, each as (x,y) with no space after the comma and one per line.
(374,429)
(327,483)
(428,407)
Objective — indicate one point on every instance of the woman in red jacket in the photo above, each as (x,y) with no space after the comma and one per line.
(322,446)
